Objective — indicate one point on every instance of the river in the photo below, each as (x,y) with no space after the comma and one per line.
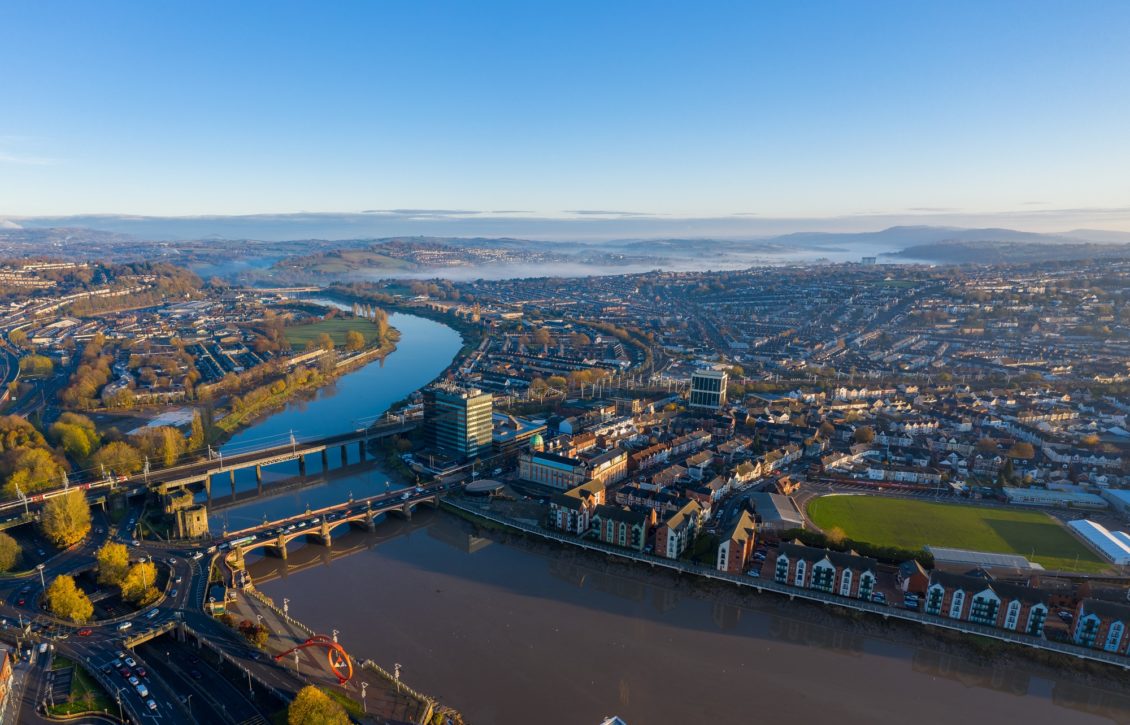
(425,349)
(513,633)
(520,633)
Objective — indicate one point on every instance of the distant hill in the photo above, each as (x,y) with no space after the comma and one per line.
(1000,252)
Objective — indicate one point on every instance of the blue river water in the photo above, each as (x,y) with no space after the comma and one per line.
(424,350)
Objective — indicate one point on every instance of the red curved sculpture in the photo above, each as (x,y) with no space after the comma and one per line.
(340,661)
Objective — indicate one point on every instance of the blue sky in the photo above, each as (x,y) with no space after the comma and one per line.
(780,110)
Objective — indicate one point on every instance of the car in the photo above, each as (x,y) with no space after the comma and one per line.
(195,674)
(135,542)
(116,664)
(21,601)
(133,680)
(173,560)
(85,632)
(124,672)
(177,580)
(131,662)
(174,592)
(41,552)
(1065,615)
(142,672)
(404,497)
(755,573)
(107,669)
(142,690)
(151,703)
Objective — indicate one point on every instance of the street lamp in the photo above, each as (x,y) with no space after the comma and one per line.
(396,675)
(364,705)
(335,633)
(42,580)
(286,608)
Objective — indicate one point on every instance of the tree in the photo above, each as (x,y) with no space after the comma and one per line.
(113,563)
(119,458)
(18,338)
(1023,449)
(76,434)
(826,430)
(139,584)
(325,341)
(66,518)
(1090,440)
(835,536)
(354,341)
(255,633)
(196,438)
(986,445)
(864,434)
(66,600)
(313,707)
(31,469)
(558,382)
(9,552)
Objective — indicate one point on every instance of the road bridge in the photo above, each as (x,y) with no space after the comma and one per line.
(318,526)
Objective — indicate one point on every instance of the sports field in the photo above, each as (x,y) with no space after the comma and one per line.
(911,524)
(336,328)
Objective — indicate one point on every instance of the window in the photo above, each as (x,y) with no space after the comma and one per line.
(866,584)
(956,604)
(1011,615)
(1113,637)
(799,579)
(845,583)
(782,572)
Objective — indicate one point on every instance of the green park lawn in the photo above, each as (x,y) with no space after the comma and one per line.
(336,328)
(911,524)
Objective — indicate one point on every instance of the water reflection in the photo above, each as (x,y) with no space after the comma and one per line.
(499,628)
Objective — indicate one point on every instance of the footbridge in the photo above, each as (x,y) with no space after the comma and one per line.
(318,526)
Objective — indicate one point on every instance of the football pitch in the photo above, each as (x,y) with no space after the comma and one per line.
(911,524)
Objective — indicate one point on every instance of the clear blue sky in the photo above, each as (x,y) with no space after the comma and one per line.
(698,109)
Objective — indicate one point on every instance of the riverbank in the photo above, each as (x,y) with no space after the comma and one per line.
(232,423)
(1058,653)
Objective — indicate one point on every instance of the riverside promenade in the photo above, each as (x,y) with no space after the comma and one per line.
(468,509)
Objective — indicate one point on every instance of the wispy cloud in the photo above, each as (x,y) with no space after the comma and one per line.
(602,212)
(15,159)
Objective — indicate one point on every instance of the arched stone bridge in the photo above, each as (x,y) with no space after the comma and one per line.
(318,526)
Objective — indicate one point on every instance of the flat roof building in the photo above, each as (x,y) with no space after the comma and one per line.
(708,389)
(457,421)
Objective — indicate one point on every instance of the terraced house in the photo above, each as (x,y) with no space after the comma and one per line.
(845,573)
(980,600)
(623,526)
(1102,625)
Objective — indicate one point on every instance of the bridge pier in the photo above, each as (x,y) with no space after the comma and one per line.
(259,478)
(407,511)
(361,450)
(302,466)
(208,489)
(344,456)
(231,475)
(325,460)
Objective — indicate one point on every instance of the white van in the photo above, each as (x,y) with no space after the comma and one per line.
(124,626)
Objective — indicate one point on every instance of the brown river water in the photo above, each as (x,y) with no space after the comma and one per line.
(513,632)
